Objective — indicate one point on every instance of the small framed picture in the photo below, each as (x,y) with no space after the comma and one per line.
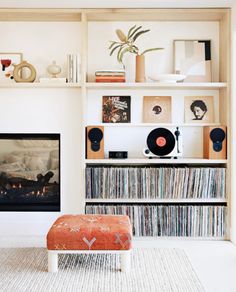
(116,109)
(199,109)
(157,109)
(7,60)
(193,59)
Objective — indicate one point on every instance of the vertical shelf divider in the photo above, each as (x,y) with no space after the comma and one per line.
(84,64)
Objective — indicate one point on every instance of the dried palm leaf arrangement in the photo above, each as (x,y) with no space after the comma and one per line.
(126,44)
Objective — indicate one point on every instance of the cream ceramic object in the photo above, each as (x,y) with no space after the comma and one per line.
(54,69)
(168,78)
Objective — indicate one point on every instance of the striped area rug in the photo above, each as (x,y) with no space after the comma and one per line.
(159,270)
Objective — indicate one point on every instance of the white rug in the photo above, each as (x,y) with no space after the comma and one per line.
(159,270)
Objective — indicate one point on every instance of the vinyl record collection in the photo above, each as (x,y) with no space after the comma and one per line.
(155,182)
(170,220)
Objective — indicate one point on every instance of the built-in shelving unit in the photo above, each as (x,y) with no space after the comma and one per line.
(128,136)
(89,27)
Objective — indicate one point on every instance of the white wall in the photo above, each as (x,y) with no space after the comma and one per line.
(43,111)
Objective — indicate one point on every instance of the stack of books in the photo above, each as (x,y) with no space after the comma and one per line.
(110,76)
(73,68)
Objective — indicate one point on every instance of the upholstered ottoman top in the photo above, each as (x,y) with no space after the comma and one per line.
(90,232)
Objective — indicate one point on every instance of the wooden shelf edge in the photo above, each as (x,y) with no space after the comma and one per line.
(40,14)
(154,85)
(141,201)
(113,14)
(39,85)
(120,125)
(210,86)
(156,14)
(193,238)
(156,161)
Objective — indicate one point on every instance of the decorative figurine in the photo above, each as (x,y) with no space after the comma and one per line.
(17,72)
(54,69)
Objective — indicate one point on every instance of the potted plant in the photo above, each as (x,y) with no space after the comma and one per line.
(126,44)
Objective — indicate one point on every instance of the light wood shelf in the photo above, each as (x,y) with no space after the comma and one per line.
(185,238)
(40,14)
(120,86)
(130,161)
(120,125)
(39,85)
(156,85)
(162,14)
(145,201)
(112,14)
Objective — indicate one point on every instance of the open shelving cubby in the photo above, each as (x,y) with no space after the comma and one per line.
(165,25)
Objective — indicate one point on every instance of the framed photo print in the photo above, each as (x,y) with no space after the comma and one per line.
(6,60)
(116,109)
(199,109)
(193,59)
(157,109)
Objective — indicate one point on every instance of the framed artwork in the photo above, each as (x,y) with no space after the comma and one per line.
(193,59)
(199,109)
(7,59)
(157,109)
(116,109)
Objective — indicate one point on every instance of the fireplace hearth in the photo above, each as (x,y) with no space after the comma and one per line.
(29,172)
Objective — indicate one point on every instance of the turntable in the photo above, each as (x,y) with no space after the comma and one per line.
(162,142)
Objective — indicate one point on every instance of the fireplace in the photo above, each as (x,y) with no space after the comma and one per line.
(29,172)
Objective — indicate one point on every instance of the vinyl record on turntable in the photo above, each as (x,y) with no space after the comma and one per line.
(161,141)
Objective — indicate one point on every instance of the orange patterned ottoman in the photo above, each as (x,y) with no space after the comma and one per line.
(90,234)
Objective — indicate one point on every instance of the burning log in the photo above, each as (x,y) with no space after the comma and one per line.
(44,179)
(18,186)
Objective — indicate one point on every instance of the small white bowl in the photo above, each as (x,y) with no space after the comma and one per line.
(167,78)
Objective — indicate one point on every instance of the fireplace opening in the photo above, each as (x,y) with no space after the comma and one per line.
(29,172)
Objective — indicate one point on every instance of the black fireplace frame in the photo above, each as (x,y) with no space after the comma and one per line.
(49,207)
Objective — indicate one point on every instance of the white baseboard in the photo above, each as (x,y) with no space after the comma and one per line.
(23,241)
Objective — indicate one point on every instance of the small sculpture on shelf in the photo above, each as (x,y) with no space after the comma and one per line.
(127,44)
(17,73)
(53,69)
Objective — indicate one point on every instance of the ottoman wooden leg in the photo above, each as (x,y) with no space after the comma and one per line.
(125,261)
(52,261)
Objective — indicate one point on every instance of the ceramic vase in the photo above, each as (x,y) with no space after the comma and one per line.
(140,69)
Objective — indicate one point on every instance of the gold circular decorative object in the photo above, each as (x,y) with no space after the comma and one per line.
(17,74)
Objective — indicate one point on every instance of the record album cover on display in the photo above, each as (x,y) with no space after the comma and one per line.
(116,109)
(157,109)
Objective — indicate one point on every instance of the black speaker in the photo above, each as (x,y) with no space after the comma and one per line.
(217,136)
(95,142)
(214,142)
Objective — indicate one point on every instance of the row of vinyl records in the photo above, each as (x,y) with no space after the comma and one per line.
(150,182)
(170,220)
